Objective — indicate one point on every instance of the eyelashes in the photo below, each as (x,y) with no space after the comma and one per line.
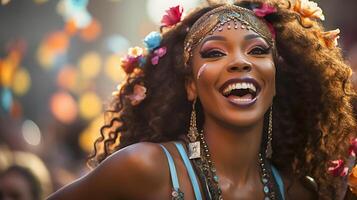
(260,50)
(214,53)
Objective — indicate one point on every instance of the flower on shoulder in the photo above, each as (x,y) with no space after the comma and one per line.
(172,16)
(139,94)
(338,168)
(352,180)
(152,40)
(308,9)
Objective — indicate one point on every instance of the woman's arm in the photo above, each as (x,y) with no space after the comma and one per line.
(135,172)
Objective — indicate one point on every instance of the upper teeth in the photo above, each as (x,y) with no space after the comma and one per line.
(243,85)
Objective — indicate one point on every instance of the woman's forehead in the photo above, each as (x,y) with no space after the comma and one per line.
(228,34)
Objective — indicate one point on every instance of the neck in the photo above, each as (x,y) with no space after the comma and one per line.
(234,150)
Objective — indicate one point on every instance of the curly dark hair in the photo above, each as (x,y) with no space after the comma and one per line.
(313,120)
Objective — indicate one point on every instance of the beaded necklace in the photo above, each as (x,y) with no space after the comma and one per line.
(209,179)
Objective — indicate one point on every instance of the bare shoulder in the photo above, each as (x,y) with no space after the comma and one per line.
(145,157)
(134,172)
(145,161)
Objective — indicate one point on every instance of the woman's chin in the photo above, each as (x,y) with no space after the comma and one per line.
(241,120)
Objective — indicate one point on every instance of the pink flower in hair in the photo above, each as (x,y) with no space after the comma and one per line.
(132,60)
(172,16)
(353,147)
(338,168)
(158,53)
(138,95)
(127,63)
(264,10)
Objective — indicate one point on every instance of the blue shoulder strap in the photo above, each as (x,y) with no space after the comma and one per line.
(190,171)
(173,173)
(278,180)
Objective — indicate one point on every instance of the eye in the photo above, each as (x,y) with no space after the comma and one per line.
(212,54)
(259,50)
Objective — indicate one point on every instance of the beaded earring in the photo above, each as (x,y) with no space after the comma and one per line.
(269,148)
(194,144)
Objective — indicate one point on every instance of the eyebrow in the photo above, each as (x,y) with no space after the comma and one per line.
(213,37)
(221,38)
(251,36)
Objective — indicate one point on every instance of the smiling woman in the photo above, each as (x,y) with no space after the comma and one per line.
(197,121)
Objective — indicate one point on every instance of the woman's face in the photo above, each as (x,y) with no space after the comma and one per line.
(234,76)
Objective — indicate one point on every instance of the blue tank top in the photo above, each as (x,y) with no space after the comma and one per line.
(177,194)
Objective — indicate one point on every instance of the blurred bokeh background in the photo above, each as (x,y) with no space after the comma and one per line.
(59,64)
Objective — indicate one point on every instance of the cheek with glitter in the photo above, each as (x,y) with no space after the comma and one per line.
(201,70)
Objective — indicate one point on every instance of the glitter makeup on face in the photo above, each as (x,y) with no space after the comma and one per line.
(201,70)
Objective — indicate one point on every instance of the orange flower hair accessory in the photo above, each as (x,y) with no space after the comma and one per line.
(308,10)
(352,180)
(330,37)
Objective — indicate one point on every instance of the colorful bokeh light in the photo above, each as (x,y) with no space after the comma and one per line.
(63,107)
(90,64)
(92,31)
(67,78)
(6,99)
(31,132)
(90,105)
(21,82)
(113,69)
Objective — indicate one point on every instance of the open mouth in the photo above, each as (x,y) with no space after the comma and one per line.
(241,91)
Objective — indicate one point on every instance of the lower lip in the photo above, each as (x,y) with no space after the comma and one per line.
(242,104)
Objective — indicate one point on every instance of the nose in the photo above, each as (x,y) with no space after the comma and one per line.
(240,65)
(245,68)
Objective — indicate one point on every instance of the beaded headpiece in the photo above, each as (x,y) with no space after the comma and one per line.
(217,18)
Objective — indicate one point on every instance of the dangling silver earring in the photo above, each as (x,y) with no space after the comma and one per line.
(269,148)
(194,145)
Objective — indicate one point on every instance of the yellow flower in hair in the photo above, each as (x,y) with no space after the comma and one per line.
(135,51)
(308,9)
